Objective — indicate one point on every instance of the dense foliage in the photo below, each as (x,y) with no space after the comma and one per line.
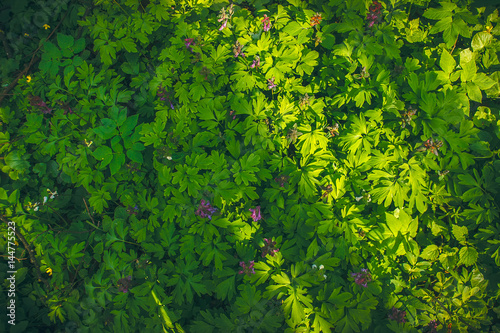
(259,166)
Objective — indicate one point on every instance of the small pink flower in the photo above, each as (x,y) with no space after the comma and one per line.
(270,84)
(362,278)
(256,213)
(248,270)
(267,23)
(256,62)
(269,248)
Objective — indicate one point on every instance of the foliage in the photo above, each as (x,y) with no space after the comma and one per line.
(286,166)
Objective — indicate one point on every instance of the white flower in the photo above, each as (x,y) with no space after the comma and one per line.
(396,213)
(314,267)
(324,276)
(36,209)
(321,267)
(169,158)
(53,195)
(358,198)
(44,200)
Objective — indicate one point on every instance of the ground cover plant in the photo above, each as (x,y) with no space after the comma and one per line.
(254,166)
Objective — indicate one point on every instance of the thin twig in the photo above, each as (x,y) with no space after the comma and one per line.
(88,211)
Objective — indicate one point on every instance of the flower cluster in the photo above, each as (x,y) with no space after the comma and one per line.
(256,213)
(269,248)
(397,315)
(38,102)
(248,270)
(188,42)
(365,195)
(375,13)
(431,146)
(305,100)
(407,116)
(321,268)
(205,209)
(316,19)
(124,284)
(362,278)
(225,16)
(256,62)
(205,72)
(281,180)
(164,95)
(270,84)
(238,50)
(36,205)
(432,326)
(267,23)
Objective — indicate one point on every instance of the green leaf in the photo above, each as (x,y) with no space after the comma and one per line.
(447,63)
(107,130)
(468,65)
(226,289)
(129,125)
(460,233)
(483,82)
(307,62)
(135,156)
(281,279)
(474,92)
(128,44)
(15,161)
(197,91)
(481,40)
(431,252)
(118,115)
(468,256)
(439,13)
(102,153)
(79,46)
(116,163)
(65,41)
(52,50)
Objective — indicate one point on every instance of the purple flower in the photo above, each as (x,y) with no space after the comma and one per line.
(281,180)
(38,102)
(267,23)
(232,113)
(164,95)
(238,50)
(225,16)
(432,326)
(188,42)
(224,24)
(256,213)
(248,270)
(269,247)
(256,62)
(374,16)
(205,209)
(271,84)
(124,284)
(362,278)
(397,315)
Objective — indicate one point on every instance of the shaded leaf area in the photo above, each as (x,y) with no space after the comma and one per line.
(261,166)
